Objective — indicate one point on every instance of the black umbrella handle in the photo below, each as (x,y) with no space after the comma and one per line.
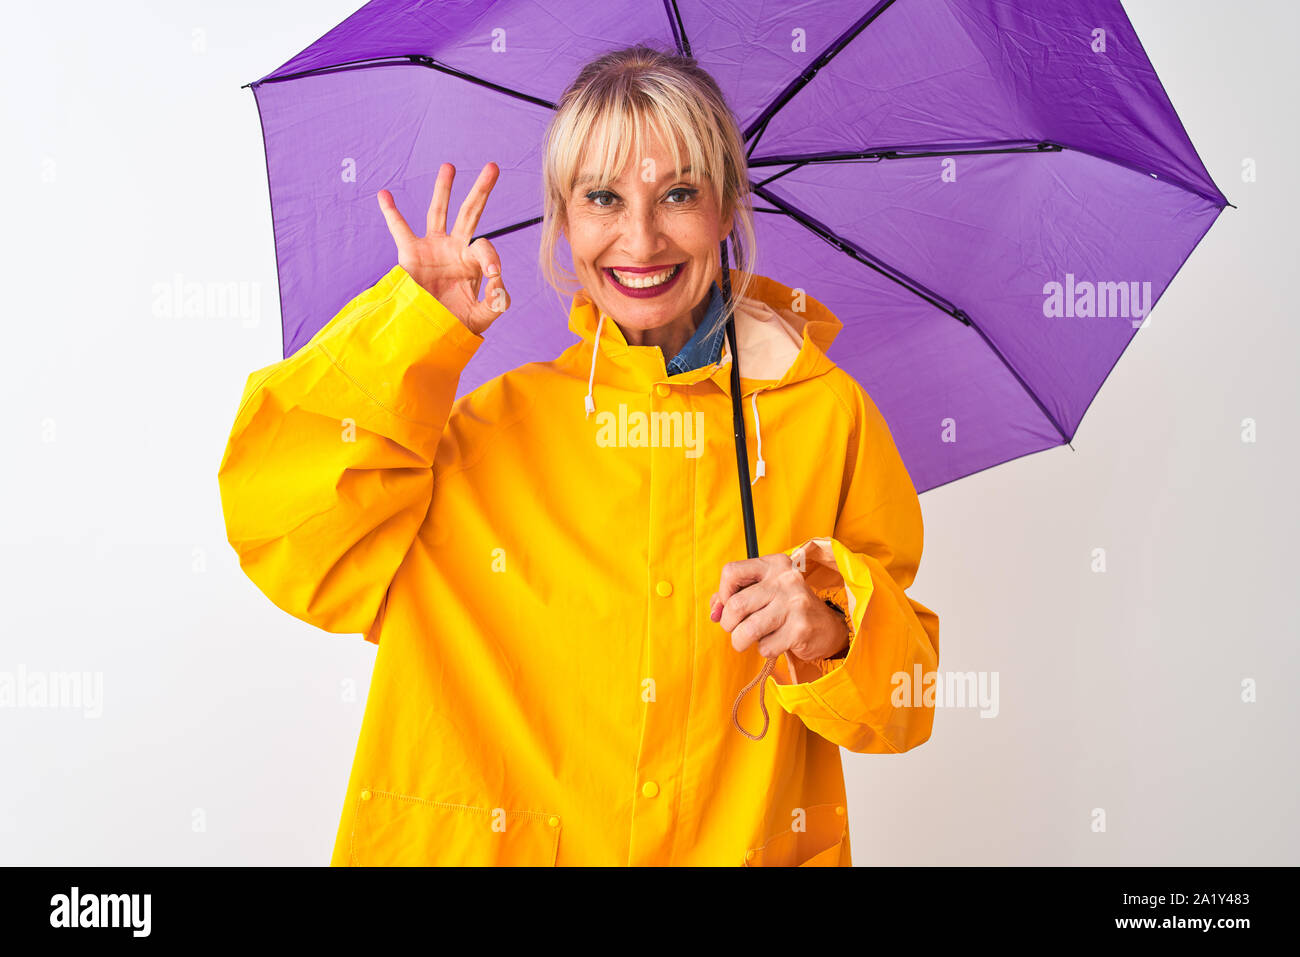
(738,416)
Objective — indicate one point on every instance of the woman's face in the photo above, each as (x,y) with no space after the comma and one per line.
(647,221)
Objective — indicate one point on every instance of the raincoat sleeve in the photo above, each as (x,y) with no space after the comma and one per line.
(865,701)
(327,474)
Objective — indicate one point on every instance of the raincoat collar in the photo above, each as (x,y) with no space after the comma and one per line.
(778,346)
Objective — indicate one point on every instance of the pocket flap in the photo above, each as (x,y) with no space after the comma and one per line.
(817,844)
(402,830)
(827,858)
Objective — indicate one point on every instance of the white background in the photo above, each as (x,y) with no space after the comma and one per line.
(131,154)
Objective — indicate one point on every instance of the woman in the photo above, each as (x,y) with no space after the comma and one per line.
(549,564)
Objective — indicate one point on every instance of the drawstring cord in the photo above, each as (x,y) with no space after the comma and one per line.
(591,379)
(761,468)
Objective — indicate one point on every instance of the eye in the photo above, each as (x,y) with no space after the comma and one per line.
(690,194)
(595,195)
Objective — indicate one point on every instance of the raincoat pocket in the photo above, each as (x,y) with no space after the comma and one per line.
(818,844)
(401,830)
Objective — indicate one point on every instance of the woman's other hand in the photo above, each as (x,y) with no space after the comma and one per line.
(447,265)
(767,600)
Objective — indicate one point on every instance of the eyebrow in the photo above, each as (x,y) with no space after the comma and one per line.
(592,178)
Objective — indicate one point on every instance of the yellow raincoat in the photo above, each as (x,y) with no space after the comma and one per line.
(548,688)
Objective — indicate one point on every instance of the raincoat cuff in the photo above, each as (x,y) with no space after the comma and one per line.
(848,700)
(397,282)
(404,350)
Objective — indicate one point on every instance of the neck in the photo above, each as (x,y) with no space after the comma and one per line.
(671,336)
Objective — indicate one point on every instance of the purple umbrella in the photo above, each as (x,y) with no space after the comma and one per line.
(990,194)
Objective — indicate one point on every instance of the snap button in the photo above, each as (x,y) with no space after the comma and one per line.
(662,390)
(649,789)
(553,821)
(664,589)
(365,795)
(839,810)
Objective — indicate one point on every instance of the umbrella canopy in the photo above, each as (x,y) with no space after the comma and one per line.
(990,194)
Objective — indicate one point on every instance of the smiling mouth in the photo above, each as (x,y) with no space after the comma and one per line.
(643,280)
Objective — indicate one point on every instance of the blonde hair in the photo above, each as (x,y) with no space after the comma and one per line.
(605,109)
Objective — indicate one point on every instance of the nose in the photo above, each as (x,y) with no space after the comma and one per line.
(642,235)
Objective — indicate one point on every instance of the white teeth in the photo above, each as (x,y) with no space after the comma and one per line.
(644,280)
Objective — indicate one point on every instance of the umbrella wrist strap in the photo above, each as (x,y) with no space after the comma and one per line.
(761,681)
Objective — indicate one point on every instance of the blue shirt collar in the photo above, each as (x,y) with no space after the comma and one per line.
(702,348)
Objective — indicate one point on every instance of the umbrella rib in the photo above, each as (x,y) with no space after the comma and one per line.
(1023,384)
(1158,177)
(391,60)
(678,28)
(858,254)
(522,224)
(894,153)
(861,255)
(969,149)
(757,127)
(409,59)
(916,152)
